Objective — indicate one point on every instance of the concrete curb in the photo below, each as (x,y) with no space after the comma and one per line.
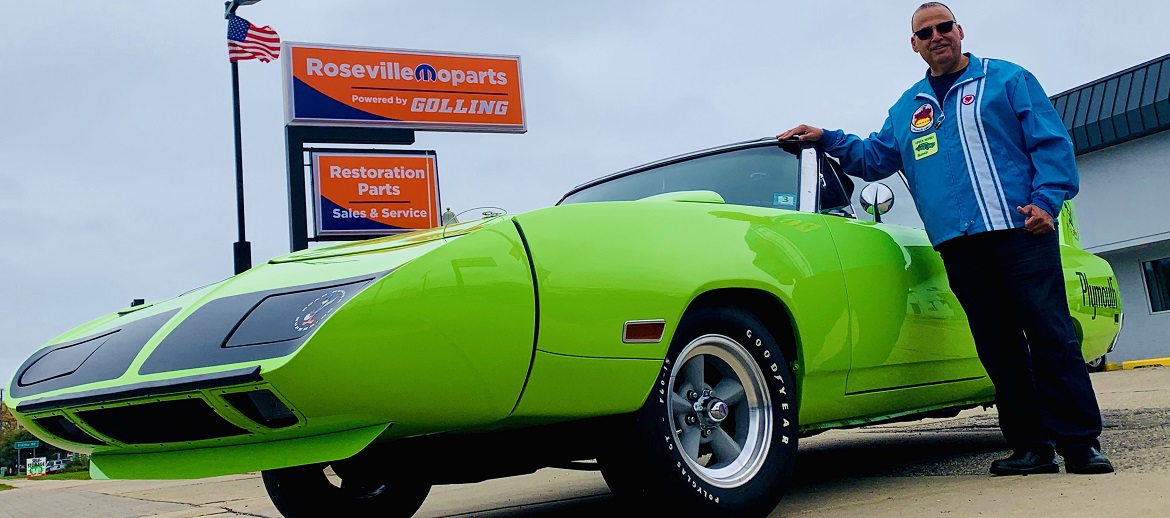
(1137,364)
(1152,362)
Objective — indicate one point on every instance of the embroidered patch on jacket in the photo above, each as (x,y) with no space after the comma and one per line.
(922,118)
(925,146)
(968,99)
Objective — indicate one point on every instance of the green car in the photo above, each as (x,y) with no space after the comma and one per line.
(679,326)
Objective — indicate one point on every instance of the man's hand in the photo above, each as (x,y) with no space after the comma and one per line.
(1039,221)
(802,132)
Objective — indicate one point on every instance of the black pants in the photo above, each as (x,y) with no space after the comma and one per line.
(1011,286)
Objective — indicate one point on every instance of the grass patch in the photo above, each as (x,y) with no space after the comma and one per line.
(4,487)
(75,475)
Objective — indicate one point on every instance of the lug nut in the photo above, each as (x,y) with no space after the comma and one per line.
(707,432)
(691,419)
(692,395)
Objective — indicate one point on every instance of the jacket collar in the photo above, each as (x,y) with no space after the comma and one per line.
(974,71)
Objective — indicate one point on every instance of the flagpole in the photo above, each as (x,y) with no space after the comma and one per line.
(242,249)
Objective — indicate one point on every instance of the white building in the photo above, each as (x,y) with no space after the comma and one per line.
(1118,124)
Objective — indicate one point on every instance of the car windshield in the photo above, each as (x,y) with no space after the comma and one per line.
(767,176)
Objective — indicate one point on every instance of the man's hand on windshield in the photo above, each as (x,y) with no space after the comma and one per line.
(803,132)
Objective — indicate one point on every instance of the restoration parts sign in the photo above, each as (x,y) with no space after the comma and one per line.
(355,86)
(375,194)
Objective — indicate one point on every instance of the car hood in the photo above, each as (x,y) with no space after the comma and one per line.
(132,334)
(388,243)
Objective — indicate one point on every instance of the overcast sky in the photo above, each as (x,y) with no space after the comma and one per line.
(117,176)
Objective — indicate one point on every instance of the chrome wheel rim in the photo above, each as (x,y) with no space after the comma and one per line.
(720,411)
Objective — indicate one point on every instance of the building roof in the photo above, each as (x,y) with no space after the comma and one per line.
(1123,106)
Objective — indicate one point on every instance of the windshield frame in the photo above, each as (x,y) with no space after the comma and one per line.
(809,156)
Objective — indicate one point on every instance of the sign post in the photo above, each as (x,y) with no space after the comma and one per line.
(25,445)
(345,95)
(299,141)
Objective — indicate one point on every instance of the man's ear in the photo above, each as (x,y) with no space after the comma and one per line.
(914,45)
(960,28)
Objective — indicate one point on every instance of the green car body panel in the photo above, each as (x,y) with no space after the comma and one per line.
(516,321)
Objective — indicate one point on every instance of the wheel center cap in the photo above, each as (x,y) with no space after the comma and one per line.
(717,411)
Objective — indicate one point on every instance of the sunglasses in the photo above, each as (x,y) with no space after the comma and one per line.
(943,28)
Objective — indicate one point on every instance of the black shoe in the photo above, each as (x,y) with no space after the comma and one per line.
(1088,462)
(1026,463)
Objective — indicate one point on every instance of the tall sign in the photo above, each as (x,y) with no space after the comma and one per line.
(337,97)
(368,193)
(332,85)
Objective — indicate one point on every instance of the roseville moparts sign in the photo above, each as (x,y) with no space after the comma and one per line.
(353,86)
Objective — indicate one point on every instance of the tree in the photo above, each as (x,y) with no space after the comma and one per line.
(11,432)
(7,421)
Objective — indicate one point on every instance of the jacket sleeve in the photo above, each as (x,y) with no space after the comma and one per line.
(870,159)
(1047,143)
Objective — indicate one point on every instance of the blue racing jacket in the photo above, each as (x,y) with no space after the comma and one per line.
(991,144)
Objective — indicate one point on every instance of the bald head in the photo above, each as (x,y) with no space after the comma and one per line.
(929,5)
(937,38)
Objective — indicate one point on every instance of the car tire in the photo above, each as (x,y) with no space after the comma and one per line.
(726,447)
(1096,364)
(306,491)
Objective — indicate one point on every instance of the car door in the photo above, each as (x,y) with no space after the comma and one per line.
(769,190)
(907,328)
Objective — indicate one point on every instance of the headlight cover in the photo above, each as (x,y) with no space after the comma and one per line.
(252,326)
(290,316)
(99,357)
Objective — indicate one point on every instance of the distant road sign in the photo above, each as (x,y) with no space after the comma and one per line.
(27,445)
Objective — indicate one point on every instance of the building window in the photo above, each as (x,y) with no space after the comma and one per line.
(1158,283)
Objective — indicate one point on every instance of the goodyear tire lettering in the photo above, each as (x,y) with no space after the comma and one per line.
(769,358)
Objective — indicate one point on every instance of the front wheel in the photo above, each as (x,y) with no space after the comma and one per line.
(718,433)
(306,491)
(1097,364)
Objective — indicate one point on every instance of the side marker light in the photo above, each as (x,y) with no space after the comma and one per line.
(643,331)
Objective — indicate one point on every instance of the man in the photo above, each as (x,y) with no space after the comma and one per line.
(989,163)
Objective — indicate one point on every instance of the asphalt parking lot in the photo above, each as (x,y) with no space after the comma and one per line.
(924,468)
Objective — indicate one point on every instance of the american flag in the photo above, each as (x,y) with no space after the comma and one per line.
(247,41)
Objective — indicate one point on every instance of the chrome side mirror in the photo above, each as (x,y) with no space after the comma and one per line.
(877,199)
